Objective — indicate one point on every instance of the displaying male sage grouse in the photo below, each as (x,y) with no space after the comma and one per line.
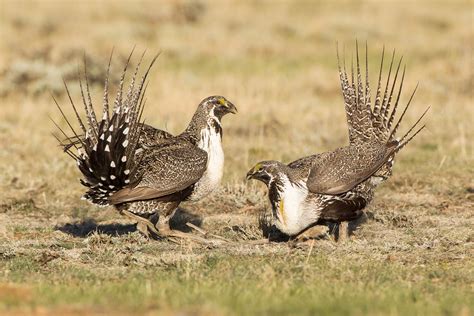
(143,171)
(336,186)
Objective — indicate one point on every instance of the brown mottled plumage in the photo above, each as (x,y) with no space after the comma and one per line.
(337,185)
(143,171)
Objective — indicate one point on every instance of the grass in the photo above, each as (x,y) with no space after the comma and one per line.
(276,62)
(252,286)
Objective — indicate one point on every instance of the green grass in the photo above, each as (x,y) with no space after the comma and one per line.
(253,286)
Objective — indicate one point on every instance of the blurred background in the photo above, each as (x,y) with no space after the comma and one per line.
(276,61)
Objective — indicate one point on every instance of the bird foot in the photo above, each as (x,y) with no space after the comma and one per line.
(163,231)
(143,225)
(173,235)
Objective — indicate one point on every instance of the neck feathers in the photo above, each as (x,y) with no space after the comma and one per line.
(200,123)
(209,140)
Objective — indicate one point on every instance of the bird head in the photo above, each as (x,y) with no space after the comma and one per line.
(217,106)
(209,114)
(265,171)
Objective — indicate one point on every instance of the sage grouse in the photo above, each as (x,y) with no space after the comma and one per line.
(143,171)
(336,186)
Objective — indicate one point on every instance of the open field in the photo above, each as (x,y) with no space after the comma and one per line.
(275,60)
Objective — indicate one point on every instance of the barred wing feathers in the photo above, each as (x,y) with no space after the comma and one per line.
(342,169)
(165,170)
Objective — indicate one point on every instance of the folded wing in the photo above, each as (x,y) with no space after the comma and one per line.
(166,169)
(342,169)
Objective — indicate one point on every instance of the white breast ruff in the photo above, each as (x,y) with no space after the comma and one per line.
(211,143)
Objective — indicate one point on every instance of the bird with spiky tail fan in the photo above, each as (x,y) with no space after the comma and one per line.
(142,171)
(336,186)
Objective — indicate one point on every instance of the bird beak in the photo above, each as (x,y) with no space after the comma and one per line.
(230,107)
(251,174)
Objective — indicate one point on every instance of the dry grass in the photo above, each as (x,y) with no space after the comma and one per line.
(276,62)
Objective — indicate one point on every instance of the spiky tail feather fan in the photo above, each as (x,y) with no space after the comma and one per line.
(105,150)
(367,123)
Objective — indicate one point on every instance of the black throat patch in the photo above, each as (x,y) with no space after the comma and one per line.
(216,125)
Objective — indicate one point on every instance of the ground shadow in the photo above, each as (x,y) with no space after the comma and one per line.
(85,227)
(183,216)
(275,235)
(351,227)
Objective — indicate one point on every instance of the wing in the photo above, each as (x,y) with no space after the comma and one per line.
(151,136)
(341,170)
(165,170)
(343,210)
(302,166)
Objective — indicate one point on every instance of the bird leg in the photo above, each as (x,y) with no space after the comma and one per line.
(162,229)
(166,232)
(343,234)
(143,225)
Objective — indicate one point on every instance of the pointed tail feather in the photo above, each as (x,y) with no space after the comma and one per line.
(385,94)
(363,111)
(413,126)
(105,110)
(365,123)
(386,106)
(374,125)
(357,102)
(378,96)
(394,130)
(368,106)
(105,151)
(394,111)
(89,108)
(405,142)
(345,87)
